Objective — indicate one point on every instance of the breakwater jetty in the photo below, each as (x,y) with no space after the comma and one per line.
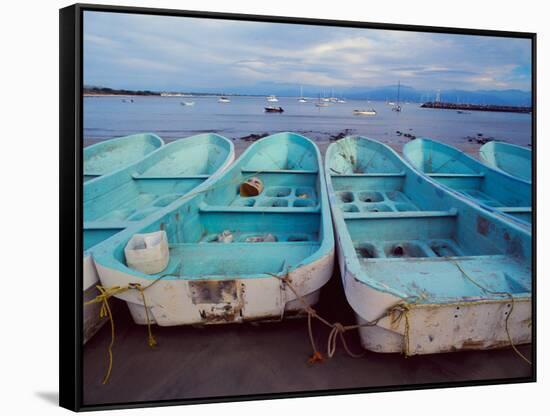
(476,107)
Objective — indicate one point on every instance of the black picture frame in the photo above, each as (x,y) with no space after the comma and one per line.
(71,182)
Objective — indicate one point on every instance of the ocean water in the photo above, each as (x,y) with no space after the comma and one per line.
(108,117)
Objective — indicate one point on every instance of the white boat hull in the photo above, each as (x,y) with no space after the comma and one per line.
(91,322)
(233,299)
(434,328)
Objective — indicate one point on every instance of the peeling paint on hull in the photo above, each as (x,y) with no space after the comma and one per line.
(175,302)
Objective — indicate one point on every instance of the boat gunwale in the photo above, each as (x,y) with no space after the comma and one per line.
(116,140)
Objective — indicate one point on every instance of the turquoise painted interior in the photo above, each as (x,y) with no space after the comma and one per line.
(110,155)
(404,234)
(452,168)
(113,202)
(512,159)
(292,211)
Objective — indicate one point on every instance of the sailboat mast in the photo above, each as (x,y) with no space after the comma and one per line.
(398,88)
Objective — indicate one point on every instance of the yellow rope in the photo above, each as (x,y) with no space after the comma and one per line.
(337,330)
(396,313)
(150,339)
(105,311)
(512,302)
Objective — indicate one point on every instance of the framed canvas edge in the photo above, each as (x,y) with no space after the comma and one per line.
(70,186)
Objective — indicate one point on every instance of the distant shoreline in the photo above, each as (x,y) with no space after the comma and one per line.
(110,92)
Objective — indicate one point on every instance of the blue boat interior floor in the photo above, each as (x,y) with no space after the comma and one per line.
(400,242)
(134,202)
(260,230)
(195,260)
(266,358)
(473,186)
(280,196)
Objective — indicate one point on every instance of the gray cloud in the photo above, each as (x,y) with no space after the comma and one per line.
(158,52)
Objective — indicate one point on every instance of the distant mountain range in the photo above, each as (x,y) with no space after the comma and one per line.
(389,92)
(407,93)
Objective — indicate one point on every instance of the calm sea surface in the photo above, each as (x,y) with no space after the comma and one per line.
(107,117)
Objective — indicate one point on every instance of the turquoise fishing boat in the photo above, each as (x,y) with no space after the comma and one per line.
(110,155)
(426,270)
(128,196)
(509,158)
(232,248)
(491,188)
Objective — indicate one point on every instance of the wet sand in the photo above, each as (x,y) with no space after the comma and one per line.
(266,358)
(323,140)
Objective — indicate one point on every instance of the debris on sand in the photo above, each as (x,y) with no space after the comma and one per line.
(253,137)
(408,135)
(340,135)
(479,139)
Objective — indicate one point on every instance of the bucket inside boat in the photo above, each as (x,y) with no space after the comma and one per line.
(251,187)
(148,253)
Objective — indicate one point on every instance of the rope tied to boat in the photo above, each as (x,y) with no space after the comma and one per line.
(337,329)
(105,293)
(512,303)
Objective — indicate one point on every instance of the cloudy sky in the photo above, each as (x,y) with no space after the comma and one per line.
(189,54)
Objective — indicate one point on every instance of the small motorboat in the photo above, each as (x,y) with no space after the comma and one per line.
(110,155)
(371,112)
(224,100)
(127,196)
(272,109)
(426,270)
(229,251)
(272,99)
(491,188)
(509,158)
(188,103)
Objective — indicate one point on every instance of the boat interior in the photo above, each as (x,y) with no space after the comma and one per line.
(114,202)
(221,233)
(412,239)
(106,157)
(462,173)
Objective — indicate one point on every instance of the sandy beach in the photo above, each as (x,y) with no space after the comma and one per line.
(472,148)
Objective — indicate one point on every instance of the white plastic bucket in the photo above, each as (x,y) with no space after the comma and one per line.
(148,253)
